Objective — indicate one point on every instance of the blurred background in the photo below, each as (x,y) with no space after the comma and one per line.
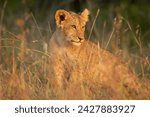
(137,12)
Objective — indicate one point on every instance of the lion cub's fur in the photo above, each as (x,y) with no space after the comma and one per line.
(75,60)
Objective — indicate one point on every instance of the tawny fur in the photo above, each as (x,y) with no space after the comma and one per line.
(76,60)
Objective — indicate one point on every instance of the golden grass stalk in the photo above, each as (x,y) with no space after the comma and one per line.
(98,11)
(1,21)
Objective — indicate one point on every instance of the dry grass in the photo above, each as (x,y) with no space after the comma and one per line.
(24,68)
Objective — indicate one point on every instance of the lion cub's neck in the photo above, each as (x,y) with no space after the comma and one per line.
(58,38)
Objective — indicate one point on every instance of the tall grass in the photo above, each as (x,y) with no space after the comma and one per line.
(24,68)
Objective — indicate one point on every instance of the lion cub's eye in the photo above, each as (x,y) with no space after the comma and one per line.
(73,26)
(83,26)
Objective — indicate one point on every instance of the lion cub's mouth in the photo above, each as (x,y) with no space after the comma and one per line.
(77,42)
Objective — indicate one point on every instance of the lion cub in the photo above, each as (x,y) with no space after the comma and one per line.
(76,60)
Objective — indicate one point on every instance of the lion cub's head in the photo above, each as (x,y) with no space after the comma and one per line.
(72,25)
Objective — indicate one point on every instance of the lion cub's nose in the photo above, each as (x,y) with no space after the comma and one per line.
(81,38)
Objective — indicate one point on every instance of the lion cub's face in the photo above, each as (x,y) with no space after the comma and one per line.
(72,25)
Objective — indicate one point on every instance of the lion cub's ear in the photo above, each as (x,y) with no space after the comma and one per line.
(60,17)
(85,15)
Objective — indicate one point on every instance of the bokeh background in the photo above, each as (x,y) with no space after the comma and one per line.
(135,11)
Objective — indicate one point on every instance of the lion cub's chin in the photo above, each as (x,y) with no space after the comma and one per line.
(76,43)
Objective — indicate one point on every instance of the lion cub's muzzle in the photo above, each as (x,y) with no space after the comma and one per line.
(78,41)
(81,39)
